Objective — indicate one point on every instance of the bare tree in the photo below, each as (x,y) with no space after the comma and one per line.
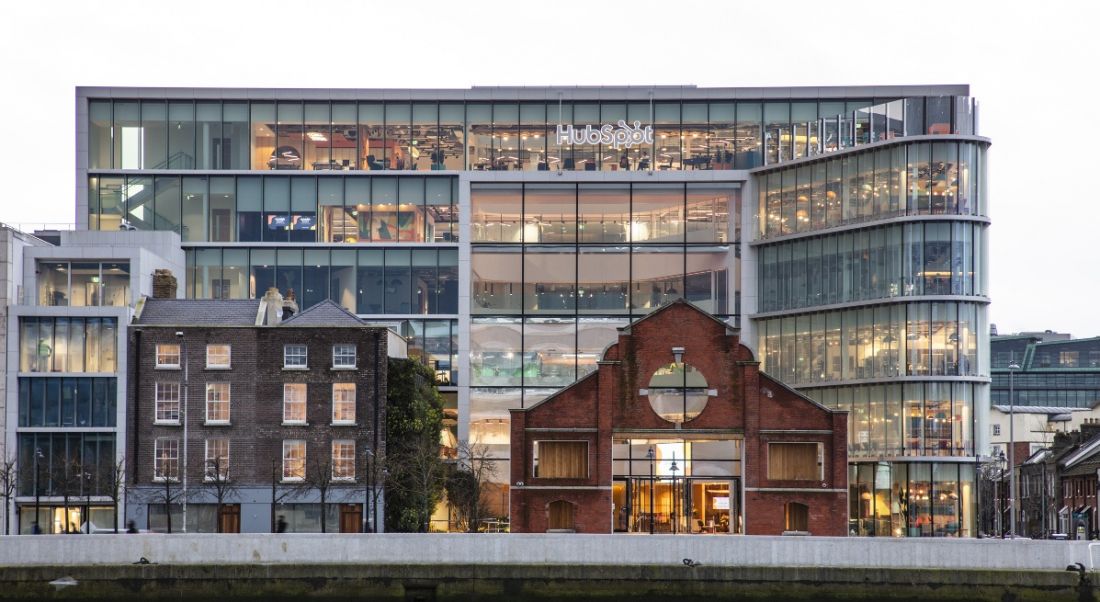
(466,484)
(376,480)
(70,479)
(112,478)
(9,473)
(318,477)
(216,478)
(168,492)
(279,494)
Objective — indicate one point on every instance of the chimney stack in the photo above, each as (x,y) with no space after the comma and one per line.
(273,307)
(290,304)
(164,284)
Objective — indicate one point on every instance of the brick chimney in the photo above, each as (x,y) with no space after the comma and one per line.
(1090,427)
(164,284)
(290,304)
(273,307)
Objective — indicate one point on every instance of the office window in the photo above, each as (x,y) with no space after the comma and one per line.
(217,403)
(561,459)
(217,459)
(794,461)
(294,356)
(343,403)
(294,460)
(343,356)
(217,356)
(168,356)
(343,460)
(294,403)
(64,344)
(797,517)
(167,403)
(166,459)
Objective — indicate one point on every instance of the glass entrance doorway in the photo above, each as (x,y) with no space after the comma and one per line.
(665,505)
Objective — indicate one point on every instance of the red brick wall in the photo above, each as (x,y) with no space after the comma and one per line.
(746,401)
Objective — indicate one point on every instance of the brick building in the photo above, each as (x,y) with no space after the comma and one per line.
(280,412)
(678,431)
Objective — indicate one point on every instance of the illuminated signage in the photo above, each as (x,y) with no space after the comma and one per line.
(624,136)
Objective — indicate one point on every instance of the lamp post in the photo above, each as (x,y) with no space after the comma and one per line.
(1000,514)
(37,500)
(1012,367)
(183,468)
(649,454)
(368,526)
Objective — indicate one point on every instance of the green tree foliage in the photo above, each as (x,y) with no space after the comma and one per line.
(414,419)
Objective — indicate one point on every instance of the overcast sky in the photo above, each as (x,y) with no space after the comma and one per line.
(1033,66)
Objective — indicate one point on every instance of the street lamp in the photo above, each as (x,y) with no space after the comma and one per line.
(37,501)
(1000,459)
(649,454)
(183,469)
(1012,367)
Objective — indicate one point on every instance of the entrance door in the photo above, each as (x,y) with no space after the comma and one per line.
(351,518)
(230,518)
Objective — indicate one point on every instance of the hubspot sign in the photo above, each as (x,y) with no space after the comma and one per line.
(624,136)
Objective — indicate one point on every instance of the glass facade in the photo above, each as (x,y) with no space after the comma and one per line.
(62,344)
(870,231)
(67,402)
(559,262)
(373,281)
(59,464)
(1057,373)
(881,341)
(84,283)
(882,262)
(519,135)
(301,209)
(937,178)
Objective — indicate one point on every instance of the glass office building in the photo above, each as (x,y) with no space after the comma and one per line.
(510,231)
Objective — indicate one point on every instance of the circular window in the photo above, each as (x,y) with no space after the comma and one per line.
(678,392)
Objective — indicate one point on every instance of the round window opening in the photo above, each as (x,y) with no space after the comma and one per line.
(678,392)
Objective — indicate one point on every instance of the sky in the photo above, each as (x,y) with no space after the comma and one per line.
(1032,66)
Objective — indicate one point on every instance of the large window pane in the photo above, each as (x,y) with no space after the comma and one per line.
(181,135)
(496,213)
(497,281)
(603,280)
(657,277)
(495,345)
(550,279)
(263,135)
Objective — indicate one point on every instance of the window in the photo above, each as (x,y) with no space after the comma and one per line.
(343,356)
(217,459)
(561,459)
(166,459)
(168,356)
(217,356)
(795,461)
(343,403)
(797,517)
(294,356)
(217,403)
(167,403)
(294,403)
(294,460)
(343,460)
(560,516)
(996,430)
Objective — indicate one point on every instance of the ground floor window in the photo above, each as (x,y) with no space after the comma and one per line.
(307,518)
(912,499)
(76,518)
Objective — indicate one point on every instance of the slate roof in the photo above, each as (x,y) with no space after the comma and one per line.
(192,312)
(325,313)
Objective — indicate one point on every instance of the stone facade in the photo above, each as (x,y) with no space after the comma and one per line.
(743,404)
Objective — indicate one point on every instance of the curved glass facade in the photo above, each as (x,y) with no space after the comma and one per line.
(925,178)
(898,260)
(881,341)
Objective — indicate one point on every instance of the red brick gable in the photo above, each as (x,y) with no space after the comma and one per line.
(745,402)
